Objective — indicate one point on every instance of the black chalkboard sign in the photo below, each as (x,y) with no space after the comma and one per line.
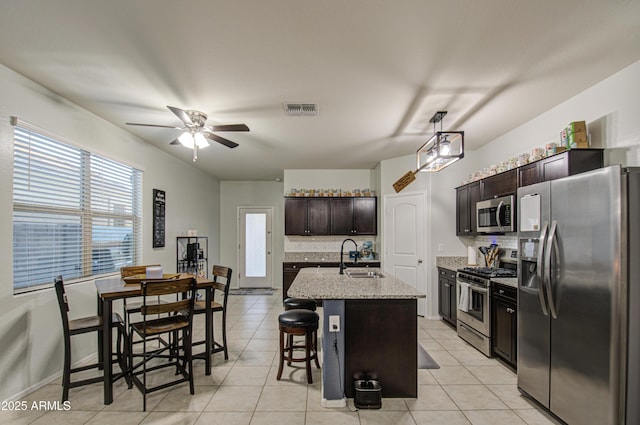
(159,201)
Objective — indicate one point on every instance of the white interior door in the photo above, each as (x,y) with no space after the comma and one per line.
(255,248)
(404,241)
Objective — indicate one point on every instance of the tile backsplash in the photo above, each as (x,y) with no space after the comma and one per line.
(323,243)
(503,241)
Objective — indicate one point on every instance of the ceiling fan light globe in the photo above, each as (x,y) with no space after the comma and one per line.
(201,141)
(186,140)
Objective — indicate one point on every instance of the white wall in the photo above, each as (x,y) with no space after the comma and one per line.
(31,347)
(235,194)
(611,109)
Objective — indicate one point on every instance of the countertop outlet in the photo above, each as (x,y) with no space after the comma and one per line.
(334,323)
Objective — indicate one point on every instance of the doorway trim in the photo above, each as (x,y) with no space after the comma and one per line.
(267,281)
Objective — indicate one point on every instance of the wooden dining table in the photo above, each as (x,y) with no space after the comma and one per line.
(114,288)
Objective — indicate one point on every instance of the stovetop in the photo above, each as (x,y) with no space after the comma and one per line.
(489,272)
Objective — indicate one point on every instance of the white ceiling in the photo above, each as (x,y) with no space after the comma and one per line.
(379,69)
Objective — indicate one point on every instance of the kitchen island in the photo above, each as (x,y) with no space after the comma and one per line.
(377,335)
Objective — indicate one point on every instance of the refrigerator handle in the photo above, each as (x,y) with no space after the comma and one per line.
(539,268)
(551,243)
(498,215)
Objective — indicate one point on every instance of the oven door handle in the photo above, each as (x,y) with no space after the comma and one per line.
(477,288)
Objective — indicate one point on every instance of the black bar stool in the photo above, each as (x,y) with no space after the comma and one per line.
(304,323)
(291,303)
(299,303)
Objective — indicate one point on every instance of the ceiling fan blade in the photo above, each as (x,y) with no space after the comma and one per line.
(184,117)
(229,127)
(226,142)
(154,125)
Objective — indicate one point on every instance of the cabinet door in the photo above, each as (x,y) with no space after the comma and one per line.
(474,196)
(295,216)
(341,216)
(289,273)
(554,167)
(444,298)
(500,185)
(453,298)
(528,174)
(463,221)
(504,329)
(447,302)
(365,216)
(318,217)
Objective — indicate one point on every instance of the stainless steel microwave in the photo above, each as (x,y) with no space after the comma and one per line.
(496,215)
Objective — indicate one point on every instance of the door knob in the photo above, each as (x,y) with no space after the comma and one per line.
(419,261)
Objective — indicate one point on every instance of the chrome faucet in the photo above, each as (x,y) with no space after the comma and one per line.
(355,260)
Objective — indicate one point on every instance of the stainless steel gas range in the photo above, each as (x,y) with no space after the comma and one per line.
(474,300)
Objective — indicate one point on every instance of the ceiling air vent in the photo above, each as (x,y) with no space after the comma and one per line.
(300,109)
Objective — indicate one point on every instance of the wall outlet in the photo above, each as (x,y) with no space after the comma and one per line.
(334,323)
(440,247)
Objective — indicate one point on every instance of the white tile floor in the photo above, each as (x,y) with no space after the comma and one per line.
(467,389)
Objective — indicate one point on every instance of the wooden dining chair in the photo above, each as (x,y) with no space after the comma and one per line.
(129,306)
(81,326)
(179,320)
(222,276)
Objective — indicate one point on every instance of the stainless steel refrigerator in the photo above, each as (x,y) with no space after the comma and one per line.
(579,296)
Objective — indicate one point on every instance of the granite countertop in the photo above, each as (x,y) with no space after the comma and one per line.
(508,281)
(328,284)
(321,257)
(451,263)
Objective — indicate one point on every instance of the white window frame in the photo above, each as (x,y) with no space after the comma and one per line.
(72,211)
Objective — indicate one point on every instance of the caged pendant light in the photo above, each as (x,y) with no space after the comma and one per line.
(442,149)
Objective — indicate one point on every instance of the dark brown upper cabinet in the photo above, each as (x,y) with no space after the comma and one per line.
(564,164)
(466,198)
(502,184)
(331,216)
(307,216)
(354,216)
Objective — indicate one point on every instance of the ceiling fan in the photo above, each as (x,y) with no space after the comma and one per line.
(195,133)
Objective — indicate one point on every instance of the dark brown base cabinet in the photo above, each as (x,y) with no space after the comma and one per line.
(380,339)
(290,271)
(504,322)
(447,300)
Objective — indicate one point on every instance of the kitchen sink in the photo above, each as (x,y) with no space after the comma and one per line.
(364,274)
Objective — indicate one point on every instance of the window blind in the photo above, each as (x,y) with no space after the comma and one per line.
(75,213)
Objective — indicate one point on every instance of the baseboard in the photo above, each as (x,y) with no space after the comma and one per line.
(92,358)
(333,404)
